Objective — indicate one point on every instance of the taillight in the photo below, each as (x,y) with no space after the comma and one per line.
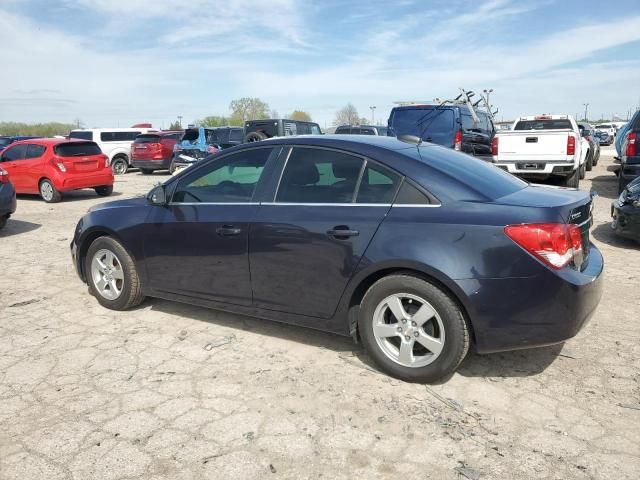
(632,147)
(57,162)
(494,146)
(555,244)
(4,176)
(106,161)
(571,145)
(457,140)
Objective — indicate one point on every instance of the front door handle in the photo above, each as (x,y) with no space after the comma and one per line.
(228,231)
(342,232)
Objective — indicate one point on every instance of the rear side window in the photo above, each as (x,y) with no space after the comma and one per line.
(14,153)
(235,135)
(314,175)
(410,195)
(562,124)
(82,135)
(343,130)
(378,185)
(77,149)
(147,138)
(118,136)
(35,151)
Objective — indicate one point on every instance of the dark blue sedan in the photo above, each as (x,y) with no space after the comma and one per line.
(418,251)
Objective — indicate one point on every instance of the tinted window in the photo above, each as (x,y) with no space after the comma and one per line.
(315,130)
(343,130)
(425,121)
(147,138)
(4,142)
(82,135)
(35,151)
(16,152)
(543,125)
(378,185)
(77,149)
(235,135)
(410,195)
(382,130)
(468,124)
(118,136)
(367,131)
(319,176)
(231,179)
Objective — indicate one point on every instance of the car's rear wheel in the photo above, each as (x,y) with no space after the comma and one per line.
(172,165)
(104,190)
(573,180)
(582,170)
(146,171)
(48,191)
(119,165)
(112,276)
(589,163)
(412,328)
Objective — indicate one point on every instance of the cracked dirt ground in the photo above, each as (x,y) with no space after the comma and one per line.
(171,391)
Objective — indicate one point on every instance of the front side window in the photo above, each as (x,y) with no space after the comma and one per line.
(14,153)
(314,175)
(230,179)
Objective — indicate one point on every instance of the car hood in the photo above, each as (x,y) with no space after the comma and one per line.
(129,202)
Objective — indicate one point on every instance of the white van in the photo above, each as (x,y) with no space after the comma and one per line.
(114,142)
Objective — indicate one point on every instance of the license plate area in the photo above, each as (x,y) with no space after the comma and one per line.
(531,166)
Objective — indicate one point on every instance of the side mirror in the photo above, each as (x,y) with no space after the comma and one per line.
(157,196)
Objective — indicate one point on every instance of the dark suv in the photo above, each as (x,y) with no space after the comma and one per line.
(361,130)
(630,153)
(257,130)
(451,126)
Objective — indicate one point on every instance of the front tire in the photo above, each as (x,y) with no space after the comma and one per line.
(48,191)
(412,329)
(589,163)
(112,276)
(104,190)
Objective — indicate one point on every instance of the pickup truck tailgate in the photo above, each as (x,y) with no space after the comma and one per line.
(534,145)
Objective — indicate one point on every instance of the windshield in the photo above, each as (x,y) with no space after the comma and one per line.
(562,124)
(431,124)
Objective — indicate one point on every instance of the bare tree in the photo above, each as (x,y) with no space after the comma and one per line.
(347,115)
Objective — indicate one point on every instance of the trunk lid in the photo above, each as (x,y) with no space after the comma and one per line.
(146,146)
(79,157)
(534,145)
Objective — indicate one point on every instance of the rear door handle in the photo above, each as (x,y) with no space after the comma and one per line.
(342,232)
(228,231)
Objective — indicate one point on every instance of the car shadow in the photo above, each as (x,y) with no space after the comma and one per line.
(605,234)
(605,185)
(73,196)
(16,227)
(521,363)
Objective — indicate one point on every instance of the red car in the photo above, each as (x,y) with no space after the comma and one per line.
(52,166)
(154,151)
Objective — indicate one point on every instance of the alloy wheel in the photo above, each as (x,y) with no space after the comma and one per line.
(107,274)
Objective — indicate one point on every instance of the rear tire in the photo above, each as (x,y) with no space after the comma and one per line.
(589,163)
(120,165)
(254,137)
(172,166)
(572,181)
(118,286)
(146,171)
(415,347)
(104,190)
(48,191)
(3,222)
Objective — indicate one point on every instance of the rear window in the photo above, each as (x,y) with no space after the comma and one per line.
(146,138)
(82,135)
(543,125)
(77,149)
(118,136)
(422,122)
(235,135)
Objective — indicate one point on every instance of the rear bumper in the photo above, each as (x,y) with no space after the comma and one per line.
(551,307)
(8,202)
(537,168)
(78,181)
(626,220)
(161,164)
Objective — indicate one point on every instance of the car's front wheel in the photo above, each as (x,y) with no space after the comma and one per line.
(412,328)
(112,276)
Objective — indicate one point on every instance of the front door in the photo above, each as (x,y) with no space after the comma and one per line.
(305,245)
(197,245)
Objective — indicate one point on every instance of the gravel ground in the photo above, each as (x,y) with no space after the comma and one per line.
(171,391)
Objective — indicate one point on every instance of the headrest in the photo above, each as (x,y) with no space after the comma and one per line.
(303,173)
(346,169)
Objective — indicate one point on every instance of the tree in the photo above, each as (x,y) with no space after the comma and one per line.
(36,129)
(364,121)
(300,115)
(175,126)
(213,121)
(247,108)
(347,115)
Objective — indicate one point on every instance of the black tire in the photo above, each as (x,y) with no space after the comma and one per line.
(104,190)
(3,221)
(581,171)
(120,165)
(172,166)
(254,137)
(573,180)
(131,294)
(589,163)
(48,191)
(456,332)
(146,171)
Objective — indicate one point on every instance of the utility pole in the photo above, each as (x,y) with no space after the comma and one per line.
(372,112)
(180,120)
(586,108)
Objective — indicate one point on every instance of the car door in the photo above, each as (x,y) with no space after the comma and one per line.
(197,245)
(305,244)
(13,161)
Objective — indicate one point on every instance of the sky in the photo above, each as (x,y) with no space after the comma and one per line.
(118,62)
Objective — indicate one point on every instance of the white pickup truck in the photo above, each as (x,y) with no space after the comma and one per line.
(541,147)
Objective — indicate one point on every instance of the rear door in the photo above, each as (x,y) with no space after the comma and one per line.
(307,242)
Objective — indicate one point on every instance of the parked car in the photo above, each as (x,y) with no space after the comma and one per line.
(451,126)
(609,128)
(603,138)
(227,137)
(52,166)
(154,151)
(625,211)
(630,153)
(542,147)
(7,198)
(415,250)
(113,142)
(258,130)
(196,143)
(5,141)
(588,133)
(361,130)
